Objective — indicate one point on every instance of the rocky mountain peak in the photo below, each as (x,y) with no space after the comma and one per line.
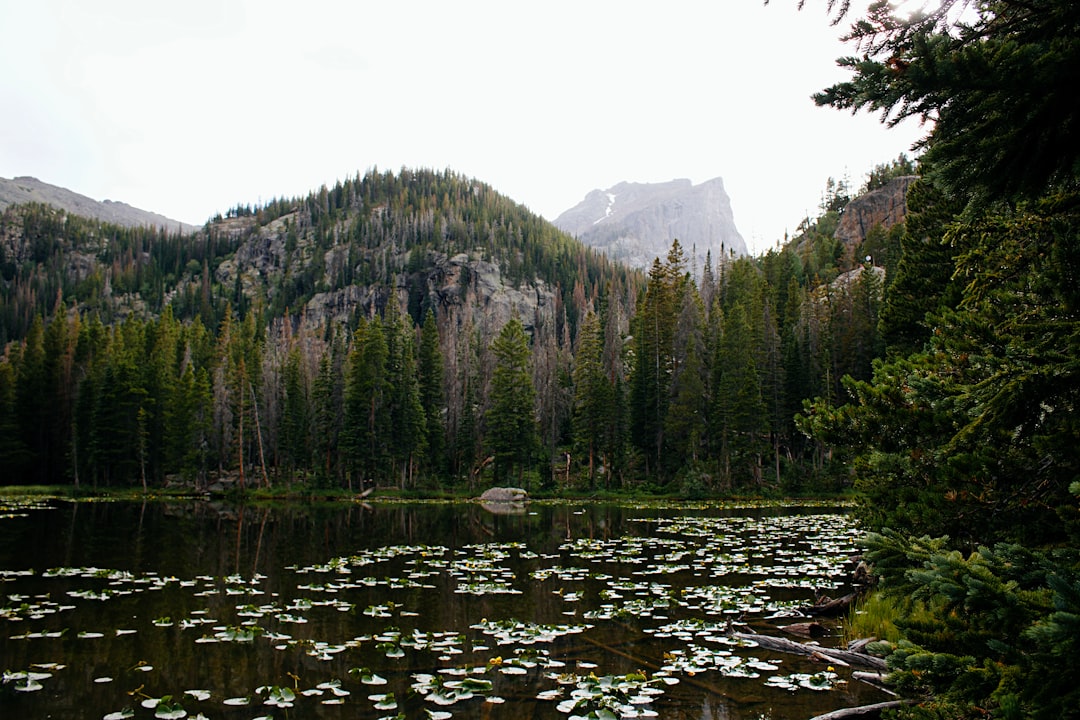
(635,223)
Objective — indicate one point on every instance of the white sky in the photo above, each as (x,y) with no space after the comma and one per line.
(188,107)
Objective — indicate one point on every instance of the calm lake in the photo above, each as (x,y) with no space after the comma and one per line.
(427,610)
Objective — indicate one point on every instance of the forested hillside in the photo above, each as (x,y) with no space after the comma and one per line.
(363,334)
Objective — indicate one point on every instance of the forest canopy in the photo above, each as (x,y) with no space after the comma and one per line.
(964,441)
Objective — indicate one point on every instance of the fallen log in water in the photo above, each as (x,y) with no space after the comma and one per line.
(862,711)
(790,646)
(829,607)
(872,678)
(806,629)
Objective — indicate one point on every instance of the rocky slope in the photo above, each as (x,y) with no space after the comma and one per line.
(419,241)
(29,189)
(885,206)
(635,223)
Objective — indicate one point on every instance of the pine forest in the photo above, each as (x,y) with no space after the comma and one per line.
(339,341)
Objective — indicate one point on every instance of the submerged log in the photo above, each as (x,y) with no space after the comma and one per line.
(863,711)
(806,629)
(822,656)
(860,644)
(873,678)
(831,608)
(790,646)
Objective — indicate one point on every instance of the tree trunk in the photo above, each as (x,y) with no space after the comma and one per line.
(258,436)
(776,457)
(831,608)
(863,711)
(240,442)
(790,646)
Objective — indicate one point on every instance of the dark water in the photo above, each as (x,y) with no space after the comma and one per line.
(106,605)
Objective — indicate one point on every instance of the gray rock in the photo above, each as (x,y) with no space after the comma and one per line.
(636,223)
(504,495)
(885,206)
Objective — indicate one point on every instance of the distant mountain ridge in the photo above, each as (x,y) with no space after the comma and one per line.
(29,189)
(636,223)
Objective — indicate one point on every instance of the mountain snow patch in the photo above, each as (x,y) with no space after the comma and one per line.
(608,210)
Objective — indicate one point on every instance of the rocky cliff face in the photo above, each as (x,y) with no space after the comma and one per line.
(885,206)
(418,241)
(28,189)
(635,223)
(466,291)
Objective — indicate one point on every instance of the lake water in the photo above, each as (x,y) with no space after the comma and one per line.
(428,610)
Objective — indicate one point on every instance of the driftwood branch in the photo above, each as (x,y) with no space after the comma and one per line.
(790,646)
(872,678)
(829,607)
(805,629)
(862,711)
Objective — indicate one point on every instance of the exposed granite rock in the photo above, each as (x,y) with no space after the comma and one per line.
(504,495)
(885,206)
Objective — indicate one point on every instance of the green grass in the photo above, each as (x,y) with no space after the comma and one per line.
(872,616)
(35,490)
(875,616)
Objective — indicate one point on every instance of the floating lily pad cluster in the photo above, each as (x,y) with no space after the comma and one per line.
(739,545)
(679,584)
(607,697)
(824,680)
(16,507)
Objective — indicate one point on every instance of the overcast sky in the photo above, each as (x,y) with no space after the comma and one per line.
(188,107)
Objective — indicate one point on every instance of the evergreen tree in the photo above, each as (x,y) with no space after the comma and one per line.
(366,432)
(14,454)
(118,426)
(328,414)
(406,413)
(996,81)
(430,373)
(972,435)
(738,411)
(32,387)
(992,631)
(923,283)
(653,365)
(162,375)
(592,394)
(688,406)
(772,373)
(510,418)
(616,429)
(295,436)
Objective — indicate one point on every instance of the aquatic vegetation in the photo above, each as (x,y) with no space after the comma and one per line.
(25,680)
(512,631)
(675,584)
(277,696)
(825,680)
(608,697)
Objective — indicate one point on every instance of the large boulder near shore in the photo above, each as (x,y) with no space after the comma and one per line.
(504,495)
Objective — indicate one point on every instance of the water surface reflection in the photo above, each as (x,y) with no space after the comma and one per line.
(460,610)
